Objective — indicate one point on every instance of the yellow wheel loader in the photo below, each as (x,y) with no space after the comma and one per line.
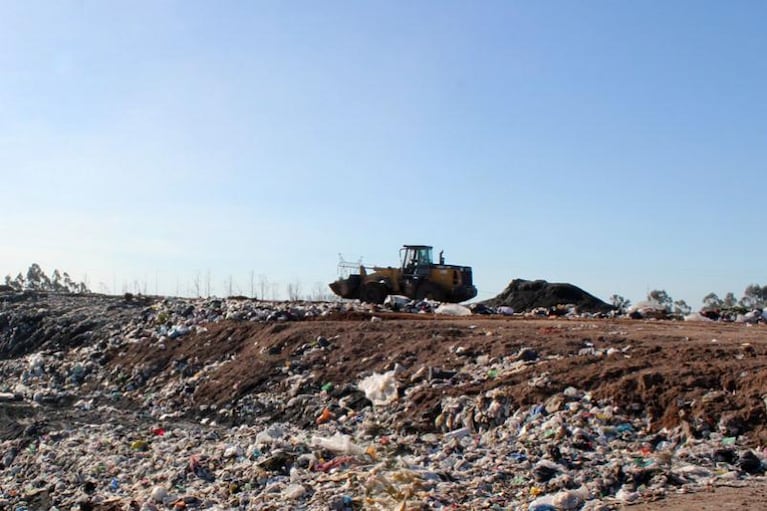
(417,277)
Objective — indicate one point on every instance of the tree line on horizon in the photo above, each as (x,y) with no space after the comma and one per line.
(37,280)
(754,297)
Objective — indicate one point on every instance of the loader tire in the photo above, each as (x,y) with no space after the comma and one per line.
(429,291)
(374,293)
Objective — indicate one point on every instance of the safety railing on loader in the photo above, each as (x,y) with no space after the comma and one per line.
(346,268)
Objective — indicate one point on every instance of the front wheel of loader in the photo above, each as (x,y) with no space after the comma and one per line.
(429,291)
(374,293)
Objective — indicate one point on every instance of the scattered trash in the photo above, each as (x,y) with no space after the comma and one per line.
(126,426)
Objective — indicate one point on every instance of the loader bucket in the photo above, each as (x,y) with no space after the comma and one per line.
(347,288)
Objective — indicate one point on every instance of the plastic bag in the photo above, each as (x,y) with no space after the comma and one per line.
(339,444)
(381,389)
(453,309)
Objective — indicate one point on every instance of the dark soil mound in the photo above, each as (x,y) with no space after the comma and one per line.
(525,295)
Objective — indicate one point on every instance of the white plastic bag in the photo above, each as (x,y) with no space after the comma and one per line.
(381,389)
(453,309)
(396,301)
(339,444)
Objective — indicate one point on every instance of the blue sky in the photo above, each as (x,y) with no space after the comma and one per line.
(619,146)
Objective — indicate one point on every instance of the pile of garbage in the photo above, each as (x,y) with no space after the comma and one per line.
(751,317)
(569,453)
(399,303)
(650,309)
(134,403)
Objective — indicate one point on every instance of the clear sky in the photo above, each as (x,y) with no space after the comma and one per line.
(618,146)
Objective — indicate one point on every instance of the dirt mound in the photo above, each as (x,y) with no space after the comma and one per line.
(672,373)
(525,295)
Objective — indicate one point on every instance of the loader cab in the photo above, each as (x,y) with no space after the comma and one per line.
(415,257)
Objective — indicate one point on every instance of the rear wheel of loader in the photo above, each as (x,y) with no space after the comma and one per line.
(429,291)
(374,293)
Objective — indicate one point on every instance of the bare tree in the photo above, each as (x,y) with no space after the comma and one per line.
(197,284)
(263,286)
(294,291)
(319,292)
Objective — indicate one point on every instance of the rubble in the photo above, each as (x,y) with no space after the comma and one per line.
(146,403)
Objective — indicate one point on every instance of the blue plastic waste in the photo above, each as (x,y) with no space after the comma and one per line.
(518,456)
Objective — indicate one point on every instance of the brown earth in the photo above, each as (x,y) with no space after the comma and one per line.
(703,376)
(720,498)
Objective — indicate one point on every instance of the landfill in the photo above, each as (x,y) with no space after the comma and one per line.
(151,403)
